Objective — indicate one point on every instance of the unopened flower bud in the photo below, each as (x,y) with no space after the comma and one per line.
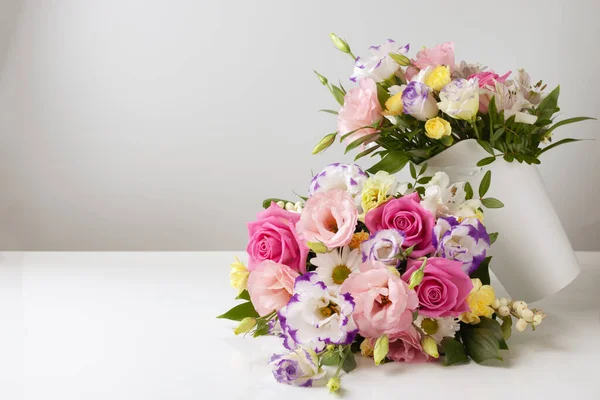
(394,271)
(400,59)
(321,78)
(504,301)
(416,278)
(537,319)
(521,325)
(496,304)
(519,306)
(366,348)
(324,143)
(290,206)
(503,311)
(430,346)
(281,204)
(382,346)
(245,325)
(339,43)
(334,384)
(330,347)
(317,247)
(298,205)
(527,315)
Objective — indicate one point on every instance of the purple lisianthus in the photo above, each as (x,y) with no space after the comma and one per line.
(418,101)
(348,177)
(380,66)
(383,246)
(316,316)
(467,241)
(299,367)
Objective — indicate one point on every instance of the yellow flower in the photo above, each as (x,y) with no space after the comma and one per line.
(438,78)
(366,348)
(238,275)
(394,105)
(334,384)
(480,301)
(357,239)
(377,190)
(437,128)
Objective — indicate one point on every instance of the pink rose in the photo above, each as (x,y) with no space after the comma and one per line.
(444,289)
(406,215)
(442,54)
(406,347)
(328,217)
(273,237)
(271,286)
(384,303)
(361,108)
(487,80)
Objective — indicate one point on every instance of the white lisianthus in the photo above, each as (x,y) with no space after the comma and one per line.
(460,99)
(418,101)
(380,66)
(442,199)
(348,177)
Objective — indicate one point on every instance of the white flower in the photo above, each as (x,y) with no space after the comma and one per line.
(383,246)
(460,99)
(442,199)
(334,267)
(380,66)
(348,177)
(438,328)
(467,241)
(315,316)
(299,368)
(511,100)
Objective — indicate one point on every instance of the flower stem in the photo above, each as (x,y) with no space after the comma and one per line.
(342,360)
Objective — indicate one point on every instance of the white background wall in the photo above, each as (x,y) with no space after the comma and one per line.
(138,125)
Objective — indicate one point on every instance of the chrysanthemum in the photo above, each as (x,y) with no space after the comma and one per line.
(438,328)
(334,267)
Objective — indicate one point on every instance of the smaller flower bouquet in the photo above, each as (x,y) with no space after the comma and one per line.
(364,264)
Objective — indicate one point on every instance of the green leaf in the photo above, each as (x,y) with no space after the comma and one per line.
(331,358)
(262,328)
(508,158)
(382,94)
(329,111)
(338,94)
(481,344)
(423,169)
(360,141)
(566,122)
(486,146)
(485,184)
(243,296)
(494,326)
(550,102)
(344,136)
(349,362)
(413,171)
(486,161)
(468,191)
(240,312)
(424,180)
(507,327)
(267,203)
(497,134)
(483,271)
(555,144)
(392,162)
(366,152)
(493,237)
(454,351)
(491,202)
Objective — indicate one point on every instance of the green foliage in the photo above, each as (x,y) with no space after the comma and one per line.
(349,362)
(483,271)
(507,327)
(392,162)
(491,202)
(267,203)
(485,184)
(483,341)
(240,312)
(244,295)
(493,237)
(468,191)
(454,352)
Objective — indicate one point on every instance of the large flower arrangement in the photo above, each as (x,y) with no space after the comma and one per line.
(397,272)
(407,109)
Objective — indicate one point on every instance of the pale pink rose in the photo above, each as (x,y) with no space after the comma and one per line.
(328,217)
(487,80)
(442,54)
(384,303)
(361,108)
(406,347)
(271,285)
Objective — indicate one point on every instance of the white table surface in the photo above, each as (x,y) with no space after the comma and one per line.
(135,326)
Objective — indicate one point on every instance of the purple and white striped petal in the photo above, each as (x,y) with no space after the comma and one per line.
(467,241)
(299,367)
(380,66)
(349,177)
(383,246)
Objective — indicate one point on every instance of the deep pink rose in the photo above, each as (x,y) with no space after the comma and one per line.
(273,237)
(384,303)
(442,54)
(406,215)
(406,347)
(444,289)
(361,108)
(487,80)
(270,286)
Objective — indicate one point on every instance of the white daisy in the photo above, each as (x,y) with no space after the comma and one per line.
(334,267)
(438,328)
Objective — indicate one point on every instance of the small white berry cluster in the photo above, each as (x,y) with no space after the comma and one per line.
(518,309)
(293,207)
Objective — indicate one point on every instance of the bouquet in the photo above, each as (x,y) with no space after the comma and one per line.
(408,110)
(365,264)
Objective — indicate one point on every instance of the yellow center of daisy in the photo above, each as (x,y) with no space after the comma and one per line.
(430,326)
(340,273)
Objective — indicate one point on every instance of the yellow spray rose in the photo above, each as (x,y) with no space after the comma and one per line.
(394,105)
(238,275)
(480,302)
(377,190)
(437,128)
(438,78)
